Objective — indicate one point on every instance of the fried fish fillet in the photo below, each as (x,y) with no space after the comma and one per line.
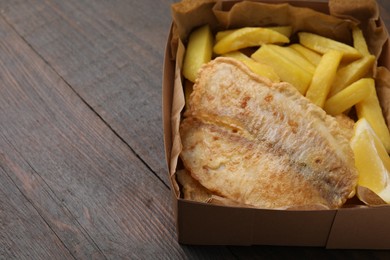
(263,144)
(192,190)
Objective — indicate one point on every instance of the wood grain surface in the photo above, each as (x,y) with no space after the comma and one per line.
(82,168)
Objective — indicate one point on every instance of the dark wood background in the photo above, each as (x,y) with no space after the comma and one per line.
(82,169)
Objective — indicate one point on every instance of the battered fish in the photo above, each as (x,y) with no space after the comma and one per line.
(263,144)
(191,188)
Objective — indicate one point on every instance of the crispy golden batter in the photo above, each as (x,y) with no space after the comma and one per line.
(192,190)
(263,144)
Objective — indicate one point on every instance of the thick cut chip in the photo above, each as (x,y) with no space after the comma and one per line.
(221,34)
(263,144)
(199,51)
(294,57)
(370,109)
(351,73)
(323,77)
(286,70)
(359,42)
(256,67)
(348,97)
(248,37)
(312,56)
(285,30)
(322,45)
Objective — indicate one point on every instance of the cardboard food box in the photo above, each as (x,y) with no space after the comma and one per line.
(355,225)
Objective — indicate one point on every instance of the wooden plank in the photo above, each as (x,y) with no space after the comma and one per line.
(23,233)
(84,181)
(49,209)
(111,53)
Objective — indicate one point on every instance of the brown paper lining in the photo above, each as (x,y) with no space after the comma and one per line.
(335,23)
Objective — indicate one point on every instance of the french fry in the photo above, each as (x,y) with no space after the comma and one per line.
(199,51)
(312,56)
(352,72)
(294,57)
(370,109)
(348,97)
(256,67)
(285,30)
(359,42)
(323,77)
(248,37)
(322,45)
(286,70)
(221,34)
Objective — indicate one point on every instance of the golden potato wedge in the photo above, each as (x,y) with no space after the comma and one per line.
(359,42)
(370,109)
(248,37)
(294,57)
(286,70)
(323,77)
(352,72)
(312,56)
(322,45)
(258,68)
(285,30)
(221,34)
(348,97)
(199,51)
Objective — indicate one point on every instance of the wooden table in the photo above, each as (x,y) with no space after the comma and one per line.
(82,169)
